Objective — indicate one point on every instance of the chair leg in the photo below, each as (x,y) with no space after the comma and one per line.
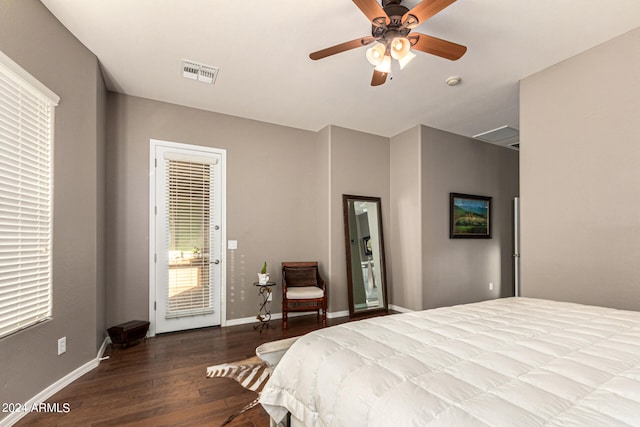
(284,319)
(324,317)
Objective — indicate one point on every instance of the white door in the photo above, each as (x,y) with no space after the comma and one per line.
(187,236)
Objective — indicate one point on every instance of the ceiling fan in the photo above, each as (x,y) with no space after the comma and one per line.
(391,26)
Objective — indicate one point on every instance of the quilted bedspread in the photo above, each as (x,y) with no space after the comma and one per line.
(506,362)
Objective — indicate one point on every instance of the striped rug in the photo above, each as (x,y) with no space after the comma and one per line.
(251,373)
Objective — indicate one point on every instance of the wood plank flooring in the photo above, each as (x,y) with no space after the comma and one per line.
(162,382)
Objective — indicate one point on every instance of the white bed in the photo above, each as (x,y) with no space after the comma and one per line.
(505,362)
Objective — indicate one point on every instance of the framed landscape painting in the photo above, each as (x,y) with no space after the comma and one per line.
(469,216)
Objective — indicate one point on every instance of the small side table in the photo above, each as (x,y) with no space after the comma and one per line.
(264,312)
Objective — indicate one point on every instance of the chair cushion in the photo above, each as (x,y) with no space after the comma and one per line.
(304,292)
(301,276)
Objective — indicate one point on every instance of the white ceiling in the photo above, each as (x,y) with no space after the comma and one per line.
(262,50)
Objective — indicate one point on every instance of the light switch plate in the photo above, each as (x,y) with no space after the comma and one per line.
(232,244)
(62,345)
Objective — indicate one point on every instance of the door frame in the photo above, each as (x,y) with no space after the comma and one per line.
(153,145)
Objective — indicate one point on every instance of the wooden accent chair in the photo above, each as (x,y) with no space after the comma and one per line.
(303,290)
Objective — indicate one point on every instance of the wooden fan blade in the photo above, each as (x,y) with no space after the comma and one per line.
(378,78)
(362,41)
(373,11)
(424,11)
(436,46)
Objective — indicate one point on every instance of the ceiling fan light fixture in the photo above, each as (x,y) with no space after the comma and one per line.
(375,54)
(400,47)
(406,59)
(391,36)
(385,65)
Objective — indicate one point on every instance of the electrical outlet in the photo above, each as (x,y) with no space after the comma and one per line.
(62,345)
(270,297)
(490,286)
(232,244)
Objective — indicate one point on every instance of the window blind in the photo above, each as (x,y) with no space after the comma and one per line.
(189,234)
(26,139)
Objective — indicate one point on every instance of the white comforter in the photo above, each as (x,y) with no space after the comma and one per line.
(506,362)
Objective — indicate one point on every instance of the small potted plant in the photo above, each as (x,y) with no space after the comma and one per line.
(263,276)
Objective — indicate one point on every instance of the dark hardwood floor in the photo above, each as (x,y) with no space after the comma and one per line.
(162,382)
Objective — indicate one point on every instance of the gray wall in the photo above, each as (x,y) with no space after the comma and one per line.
(33,38)
(359,165)
(271,198)
(580,169)
(284,189)
(430,269)
(323,196)
(101,188)
(306,175)
(458,271)
(405,239)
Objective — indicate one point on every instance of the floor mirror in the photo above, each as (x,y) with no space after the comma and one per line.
(364,241)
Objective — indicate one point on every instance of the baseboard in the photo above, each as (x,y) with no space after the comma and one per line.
(278,316)
(253,319)
(103,348)
(245,320)
(399,309)
(41,397)
(334,314)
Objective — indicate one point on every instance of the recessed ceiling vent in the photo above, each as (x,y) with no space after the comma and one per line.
(200,72)
(497,135)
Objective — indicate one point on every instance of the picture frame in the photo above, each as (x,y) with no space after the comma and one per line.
(470,216)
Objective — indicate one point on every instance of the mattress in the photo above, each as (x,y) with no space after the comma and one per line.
(505,362)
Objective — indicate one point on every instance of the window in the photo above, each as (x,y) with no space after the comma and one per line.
(26,179)
(189,206)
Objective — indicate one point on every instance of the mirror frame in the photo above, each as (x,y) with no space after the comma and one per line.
(346,198)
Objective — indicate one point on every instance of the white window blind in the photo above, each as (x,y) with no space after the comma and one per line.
(189,238)
(26,139)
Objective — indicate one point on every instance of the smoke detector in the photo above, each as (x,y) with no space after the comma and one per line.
(199,72)
(453,80)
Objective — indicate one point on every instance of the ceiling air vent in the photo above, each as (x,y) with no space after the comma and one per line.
(499,134)
(200,72)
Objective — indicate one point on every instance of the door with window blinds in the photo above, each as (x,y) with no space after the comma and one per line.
(188,240)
